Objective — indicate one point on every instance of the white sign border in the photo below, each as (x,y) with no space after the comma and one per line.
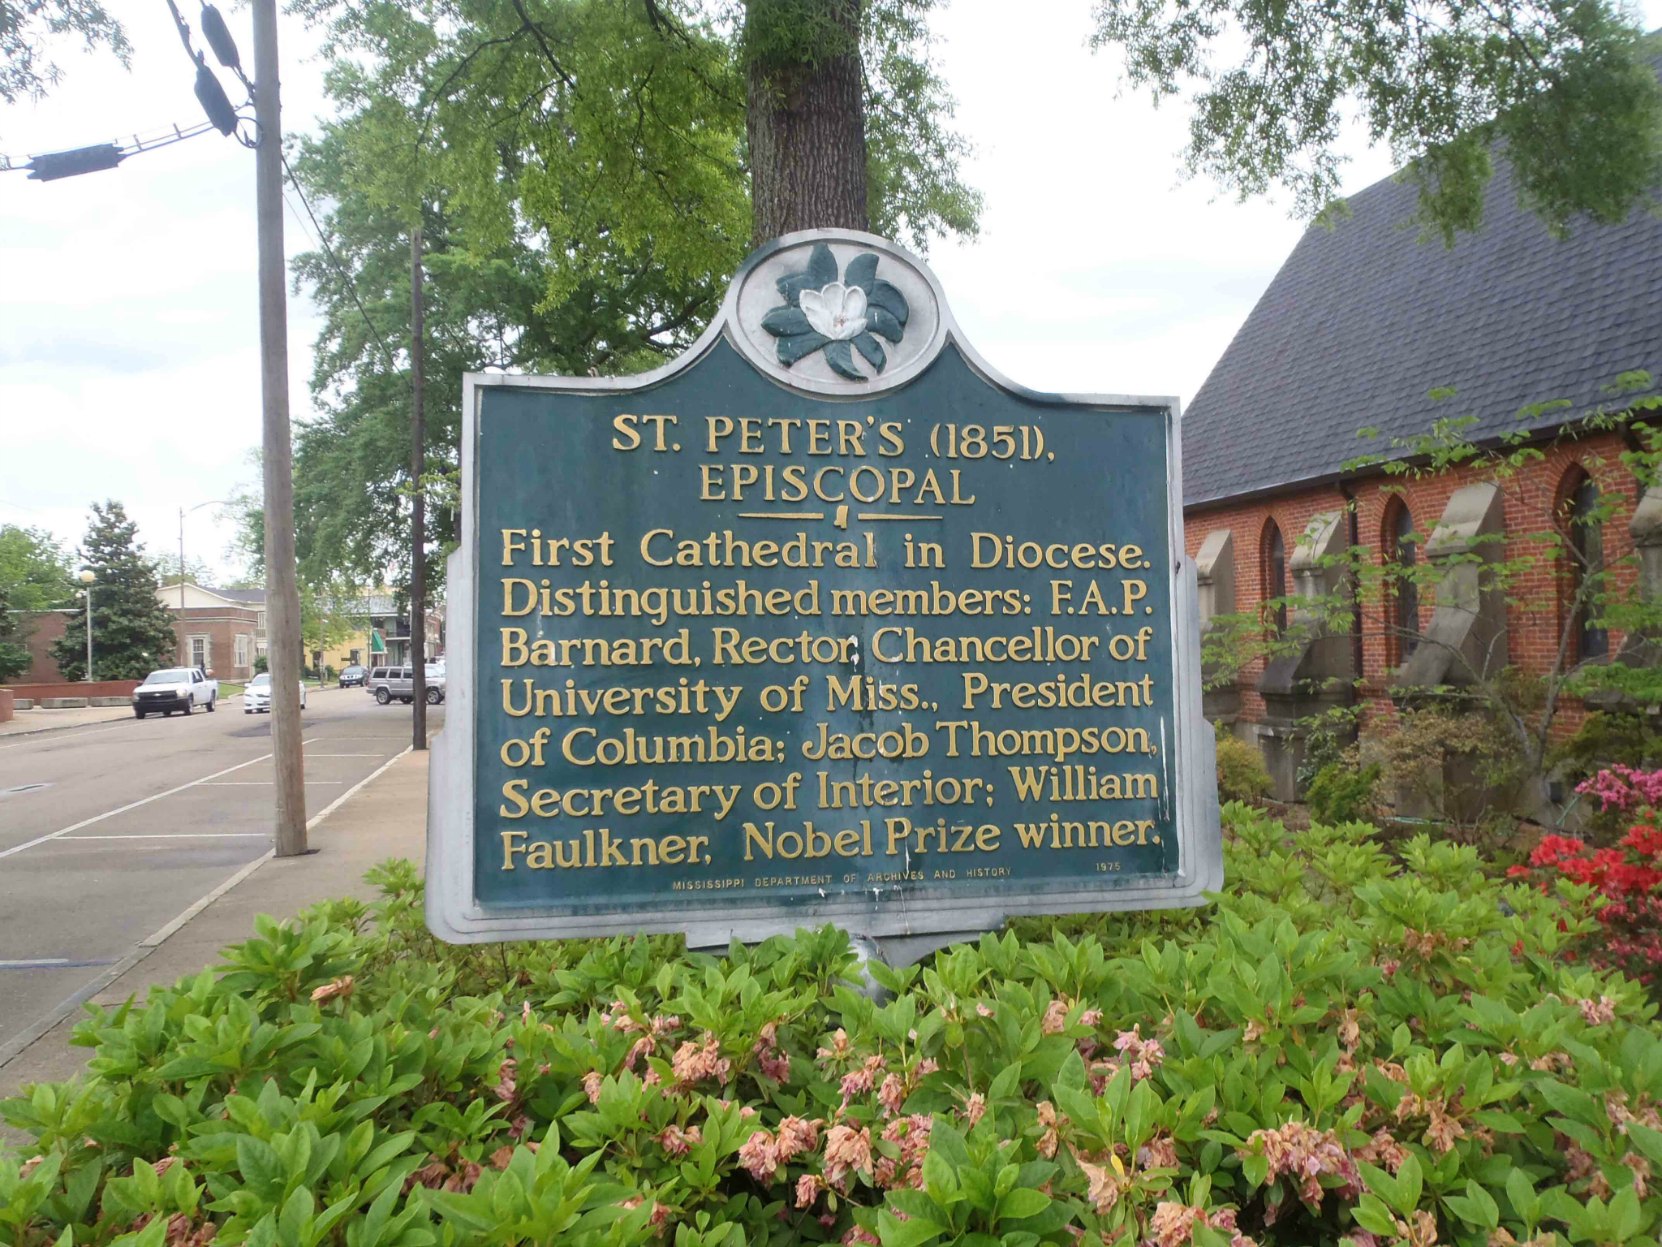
(454,915)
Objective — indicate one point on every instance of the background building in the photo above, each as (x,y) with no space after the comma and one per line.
(222,630)
(1362,323)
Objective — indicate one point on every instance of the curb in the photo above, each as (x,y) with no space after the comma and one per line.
(62,727)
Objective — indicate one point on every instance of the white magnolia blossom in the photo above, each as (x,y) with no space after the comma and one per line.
(837,311)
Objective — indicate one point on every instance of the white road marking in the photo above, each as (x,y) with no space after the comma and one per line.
(38,963)
(346,755)
(122,809)
(181,835)
(260,783)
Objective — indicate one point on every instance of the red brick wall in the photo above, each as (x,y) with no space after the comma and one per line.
(221,625)
(1531,498)
(42,628)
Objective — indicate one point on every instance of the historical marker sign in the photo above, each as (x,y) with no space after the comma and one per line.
(824,621)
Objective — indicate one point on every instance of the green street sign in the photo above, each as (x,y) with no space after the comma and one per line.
(823,621)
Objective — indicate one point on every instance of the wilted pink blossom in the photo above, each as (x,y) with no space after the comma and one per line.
(760,1155)
(1598,1012)
(694,1062)
(591,1086)
(1303,1153)
(809,1187)
(855,1082)
(1055,1019)
(891,1095)
(677,1142)
(975,1107)
(910,1136)
(506,1088)
(982,1010)
(847,1151)
(797,1137)
(336,987)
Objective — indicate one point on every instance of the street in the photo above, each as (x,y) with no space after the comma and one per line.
(108,833)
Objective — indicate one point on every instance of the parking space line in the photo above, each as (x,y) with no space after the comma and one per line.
(181,835)
(261,783)
(131,805)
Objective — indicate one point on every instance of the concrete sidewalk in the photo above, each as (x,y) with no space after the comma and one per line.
(387,817)
(27,722)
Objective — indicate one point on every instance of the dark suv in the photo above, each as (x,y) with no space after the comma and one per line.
(352,677)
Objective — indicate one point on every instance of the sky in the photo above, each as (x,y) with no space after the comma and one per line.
(129,362)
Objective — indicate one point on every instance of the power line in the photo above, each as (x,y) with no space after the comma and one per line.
(45,166)
(340,270)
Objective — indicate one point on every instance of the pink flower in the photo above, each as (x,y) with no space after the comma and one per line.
(695,1062)
(891,1095)
(856,1082)
(591,1086)
(1300,1151)
(797,1137)
(809,1187)
(760,1155)
(677,1142)
(847,1151)
(1597,1012)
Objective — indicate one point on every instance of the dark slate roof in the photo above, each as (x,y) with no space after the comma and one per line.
(1365,319)
(254,597)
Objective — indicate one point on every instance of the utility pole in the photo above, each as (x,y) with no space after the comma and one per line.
(282,592)
(418,516)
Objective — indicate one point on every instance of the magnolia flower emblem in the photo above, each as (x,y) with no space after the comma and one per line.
(839,316)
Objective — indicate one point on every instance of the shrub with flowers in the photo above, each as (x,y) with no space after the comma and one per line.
(1620,886)
(1352,1045)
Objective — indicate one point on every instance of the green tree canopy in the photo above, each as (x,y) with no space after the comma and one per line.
(28,28)
(132,632)
(579,170)
(36,572)
(1566,89)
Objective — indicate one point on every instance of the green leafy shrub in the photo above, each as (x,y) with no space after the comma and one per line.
(1349,1043)
(1241,772)
(1344,792)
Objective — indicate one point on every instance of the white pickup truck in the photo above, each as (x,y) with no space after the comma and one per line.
(175,688)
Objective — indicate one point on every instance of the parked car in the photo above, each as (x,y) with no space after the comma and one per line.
(352,677)
(175,688)
(389,683)
(256,698)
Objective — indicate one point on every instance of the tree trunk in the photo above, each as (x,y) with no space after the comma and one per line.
(806,118)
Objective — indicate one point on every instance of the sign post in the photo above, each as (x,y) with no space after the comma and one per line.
(824,621)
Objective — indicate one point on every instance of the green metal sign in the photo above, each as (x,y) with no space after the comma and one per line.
(823,622)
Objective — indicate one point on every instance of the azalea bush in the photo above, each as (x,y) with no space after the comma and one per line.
(1352,1044)
(1620,886)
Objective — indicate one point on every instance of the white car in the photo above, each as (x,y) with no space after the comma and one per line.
(175,688)
(257,696)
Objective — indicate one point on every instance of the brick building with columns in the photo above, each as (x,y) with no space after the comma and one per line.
(1362,323)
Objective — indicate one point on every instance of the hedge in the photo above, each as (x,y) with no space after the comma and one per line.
(1352,1043)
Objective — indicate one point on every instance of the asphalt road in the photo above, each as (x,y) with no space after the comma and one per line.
(109,832)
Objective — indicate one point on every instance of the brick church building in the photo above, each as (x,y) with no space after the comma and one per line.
(1361,324)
